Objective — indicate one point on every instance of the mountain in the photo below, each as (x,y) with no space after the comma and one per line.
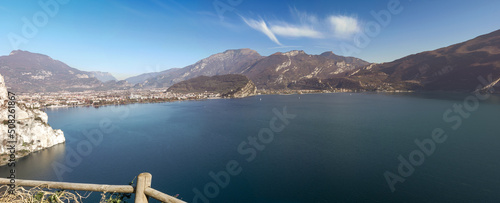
(231,85)
(228,62)
(30,72)
(102,76)
(271,72)
(32,129)
(458,67)
(453,68)
(280,69)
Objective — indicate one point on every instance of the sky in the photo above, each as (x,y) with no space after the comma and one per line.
(128,37)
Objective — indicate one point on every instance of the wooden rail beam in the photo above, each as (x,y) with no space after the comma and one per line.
(142,191)
(161,196)
(71,186)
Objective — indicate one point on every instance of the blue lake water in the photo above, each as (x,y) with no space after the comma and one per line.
(337,148)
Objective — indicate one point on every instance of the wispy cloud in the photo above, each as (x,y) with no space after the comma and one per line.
(293,31)
(306,25)
(261,26)
(303,17)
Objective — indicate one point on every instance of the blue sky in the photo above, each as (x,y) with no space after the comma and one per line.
(131,37)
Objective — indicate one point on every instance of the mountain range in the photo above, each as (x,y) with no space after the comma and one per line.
(453,68)
(272,72)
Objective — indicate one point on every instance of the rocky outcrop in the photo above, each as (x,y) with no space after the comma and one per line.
(33,131)
(248,90)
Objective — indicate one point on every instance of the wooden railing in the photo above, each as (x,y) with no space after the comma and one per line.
(142,191)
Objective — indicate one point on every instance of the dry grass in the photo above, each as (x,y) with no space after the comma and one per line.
(39,194)
(44,195)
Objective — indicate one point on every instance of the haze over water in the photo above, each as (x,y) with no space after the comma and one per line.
(336,149)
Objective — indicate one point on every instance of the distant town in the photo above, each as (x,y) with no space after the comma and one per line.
(102,98)
(123,97)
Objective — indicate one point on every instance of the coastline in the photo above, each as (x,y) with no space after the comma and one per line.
(259,92)
(4,158)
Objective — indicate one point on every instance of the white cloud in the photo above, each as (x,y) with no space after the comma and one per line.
(344,26)
(293,31)
(307,25)
(262,27)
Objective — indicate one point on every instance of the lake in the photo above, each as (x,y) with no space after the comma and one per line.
(341,147)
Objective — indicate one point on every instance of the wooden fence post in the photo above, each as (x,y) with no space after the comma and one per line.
(143,182)
(142,190)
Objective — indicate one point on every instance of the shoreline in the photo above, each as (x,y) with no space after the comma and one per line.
(23,154)
(148,101)
(259,93)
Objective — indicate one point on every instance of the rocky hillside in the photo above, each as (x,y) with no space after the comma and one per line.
(281,69)
(231,85)
(453,68)
(248,90)
(33,132)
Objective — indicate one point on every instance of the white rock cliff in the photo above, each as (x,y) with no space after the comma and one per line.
(33,132)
